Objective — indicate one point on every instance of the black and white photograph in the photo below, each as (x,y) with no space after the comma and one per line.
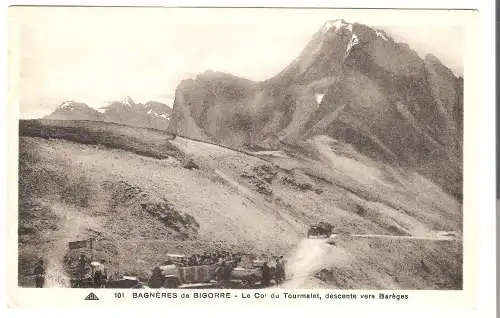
(164,148)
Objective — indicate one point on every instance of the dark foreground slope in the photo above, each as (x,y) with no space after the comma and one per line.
(261,202)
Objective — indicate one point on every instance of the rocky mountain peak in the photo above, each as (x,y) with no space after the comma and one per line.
(127,100)
(71,104)
(352,83)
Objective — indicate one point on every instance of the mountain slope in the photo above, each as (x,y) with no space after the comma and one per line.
(352,83)
(255,202)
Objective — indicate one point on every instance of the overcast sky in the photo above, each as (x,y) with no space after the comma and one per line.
(96,55)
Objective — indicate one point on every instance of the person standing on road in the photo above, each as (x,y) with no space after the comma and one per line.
(39,272)
(227,273)
(282,263)
(279,271)
(266,274)
(156,279)
(82,261)
(100,275)
(223,274)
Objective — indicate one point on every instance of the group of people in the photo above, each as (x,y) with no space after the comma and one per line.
(273,268)
(232,259)
(210,258)
(276,273)
(279,276)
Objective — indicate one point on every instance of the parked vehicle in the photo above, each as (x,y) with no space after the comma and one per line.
(225,274)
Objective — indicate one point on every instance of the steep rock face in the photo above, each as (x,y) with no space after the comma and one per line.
(352,83)
(227,109)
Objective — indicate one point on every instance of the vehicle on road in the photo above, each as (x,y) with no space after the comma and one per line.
(258,274)
(86,270)
(130,282)
(175,274)
(320,230)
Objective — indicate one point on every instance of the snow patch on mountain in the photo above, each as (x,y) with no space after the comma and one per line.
(158,115)
(352,43)
(68,104)
(381,35)
(319,98)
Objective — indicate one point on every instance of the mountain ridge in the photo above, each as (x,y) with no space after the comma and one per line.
(373,93)
(151,114)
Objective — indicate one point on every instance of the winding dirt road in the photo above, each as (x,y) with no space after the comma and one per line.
(311,255)
(308,258)
(72,224)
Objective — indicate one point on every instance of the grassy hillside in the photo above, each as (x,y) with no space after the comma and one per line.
(131,190)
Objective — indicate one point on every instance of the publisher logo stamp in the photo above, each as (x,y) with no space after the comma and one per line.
(91,296)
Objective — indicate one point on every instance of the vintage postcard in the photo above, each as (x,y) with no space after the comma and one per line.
(178,155)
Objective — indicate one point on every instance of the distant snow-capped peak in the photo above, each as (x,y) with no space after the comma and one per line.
(67,104)
(101,110)
(337,24)
(71,105)
(127,101)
